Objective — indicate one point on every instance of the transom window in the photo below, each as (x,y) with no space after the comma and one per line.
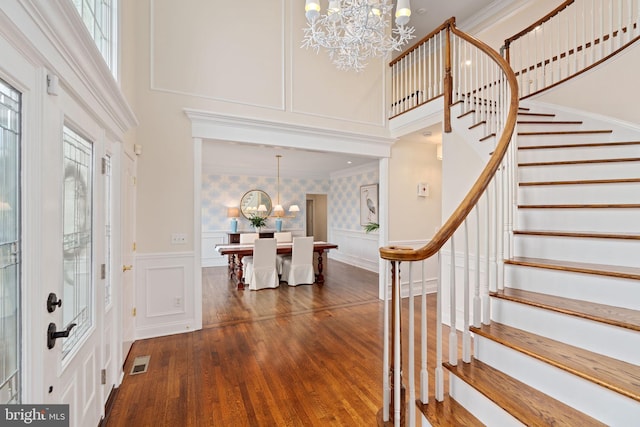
(100,18)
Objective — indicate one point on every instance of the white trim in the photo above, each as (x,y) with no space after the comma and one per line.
(82,71)
(197,233)
(419,118)
(383,221)
(210,125)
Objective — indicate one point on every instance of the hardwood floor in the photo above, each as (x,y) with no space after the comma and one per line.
(299,356)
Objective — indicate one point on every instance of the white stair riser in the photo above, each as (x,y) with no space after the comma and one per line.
(579,153)
(584,138)
(587,250)
(597,337)
(526,117)
(480,406)
(578,220)
(624,192)
(579,172)
(596,401)
(550,126)
(580,286)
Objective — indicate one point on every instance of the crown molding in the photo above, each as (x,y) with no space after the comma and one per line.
(52,35)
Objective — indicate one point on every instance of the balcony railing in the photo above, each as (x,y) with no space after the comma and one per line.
(477,80)
(570,40)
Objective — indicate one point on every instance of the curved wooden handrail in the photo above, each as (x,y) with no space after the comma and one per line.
(448,23)
(540,21)
(395,253)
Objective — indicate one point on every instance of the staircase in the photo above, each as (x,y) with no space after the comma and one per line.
(563,344)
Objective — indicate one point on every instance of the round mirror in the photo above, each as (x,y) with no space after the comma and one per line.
(252,201)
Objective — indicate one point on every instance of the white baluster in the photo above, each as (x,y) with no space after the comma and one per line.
(412,363)
(466,335)
(477,302)
(424,374)
(453,337)
(487,255)
(439,373)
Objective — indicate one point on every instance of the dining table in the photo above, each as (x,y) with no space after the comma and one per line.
(236,251)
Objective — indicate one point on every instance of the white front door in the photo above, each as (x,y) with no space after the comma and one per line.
(73,248)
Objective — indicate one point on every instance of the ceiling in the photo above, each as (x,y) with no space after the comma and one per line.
(223,157)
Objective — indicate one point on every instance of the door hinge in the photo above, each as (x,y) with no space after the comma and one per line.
(134,246)
(135,181)
(133,312)
(104,166)
(103,271)
(103,376)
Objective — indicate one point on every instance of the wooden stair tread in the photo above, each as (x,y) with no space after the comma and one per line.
(580,182)
(567,132)
(588,206)
(477,124)
(466,114)
(581,162)
(578,267)
(616,375)
(447,413)
(594,235)
(526,404)
(616,316)
(586,145)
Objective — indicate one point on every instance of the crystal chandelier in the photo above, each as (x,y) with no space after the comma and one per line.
(352,31)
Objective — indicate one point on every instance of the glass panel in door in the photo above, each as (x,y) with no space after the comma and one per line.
(10,104)
(77,237)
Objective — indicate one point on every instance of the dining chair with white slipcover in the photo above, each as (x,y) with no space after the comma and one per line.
(260,270)
(299,269)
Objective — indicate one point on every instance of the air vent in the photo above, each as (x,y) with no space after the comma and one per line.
(140,365)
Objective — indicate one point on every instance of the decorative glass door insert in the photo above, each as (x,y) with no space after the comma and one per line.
(77,237)
(10,106)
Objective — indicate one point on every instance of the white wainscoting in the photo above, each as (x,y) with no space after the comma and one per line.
(431,271)
(356,248)
(164,295)
(211,258)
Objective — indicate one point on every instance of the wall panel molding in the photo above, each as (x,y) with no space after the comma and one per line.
(160,279)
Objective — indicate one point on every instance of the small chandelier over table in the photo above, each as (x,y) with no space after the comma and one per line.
(353,31)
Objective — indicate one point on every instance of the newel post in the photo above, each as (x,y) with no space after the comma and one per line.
(448,82)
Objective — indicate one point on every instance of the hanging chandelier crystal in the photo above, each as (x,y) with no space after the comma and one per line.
(353,31)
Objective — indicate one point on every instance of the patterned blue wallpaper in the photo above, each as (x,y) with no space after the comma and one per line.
(344,199)
(222,191)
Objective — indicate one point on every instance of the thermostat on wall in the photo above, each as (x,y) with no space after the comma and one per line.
(423,189)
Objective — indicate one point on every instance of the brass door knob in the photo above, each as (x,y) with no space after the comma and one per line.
(127,267)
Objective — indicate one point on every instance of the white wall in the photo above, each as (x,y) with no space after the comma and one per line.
(237,67)
(412,217)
